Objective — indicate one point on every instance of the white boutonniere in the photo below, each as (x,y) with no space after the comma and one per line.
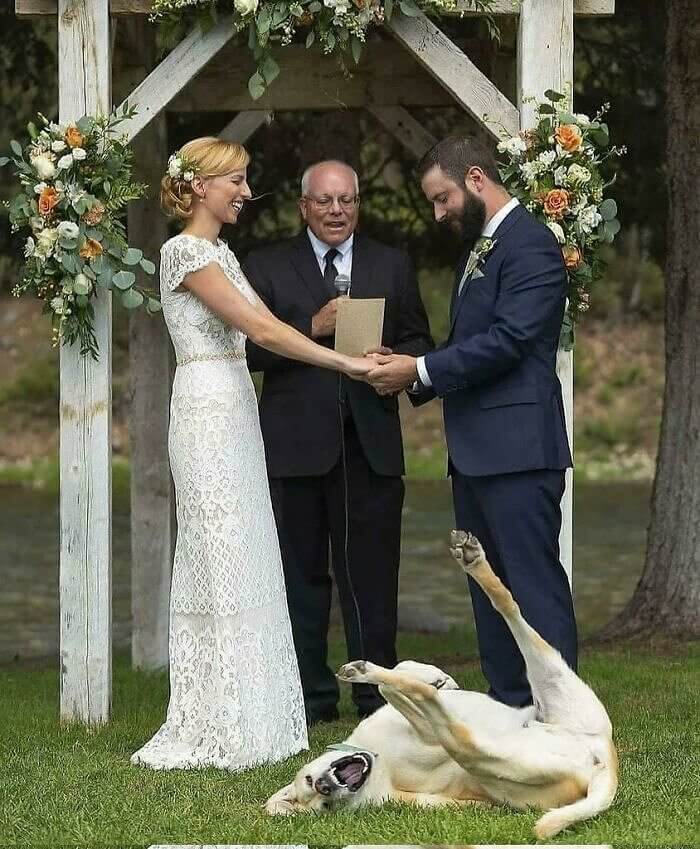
(477,257)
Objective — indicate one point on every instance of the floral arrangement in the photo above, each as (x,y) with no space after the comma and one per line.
(557,170)
(75,182)
(334,25)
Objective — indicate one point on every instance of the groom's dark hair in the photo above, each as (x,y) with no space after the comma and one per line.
(455,155)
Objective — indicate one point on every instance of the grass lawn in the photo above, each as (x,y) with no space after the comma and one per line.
(72,786)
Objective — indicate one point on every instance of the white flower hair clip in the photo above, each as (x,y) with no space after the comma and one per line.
(181,168)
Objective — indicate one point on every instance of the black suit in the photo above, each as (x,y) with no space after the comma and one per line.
(312,419)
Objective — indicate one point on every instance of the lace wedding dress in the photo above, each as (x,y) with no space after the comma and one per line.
(235,692)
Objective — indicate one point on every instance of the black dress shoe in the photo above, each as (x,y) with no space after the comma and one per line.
(316,716)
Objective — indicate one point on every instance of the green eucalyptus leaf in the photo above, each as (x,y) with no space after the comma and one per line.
(132,299)
(256,85)
(32,130)
(124,279)
(16,148)
(612,228)
(608,209)
(82,300)
(554,96)
(269,69)
(546,109)
(4,160)
(153,306)
(356,47)
(566,118)
(310,38)
(148,266)
(132,256)
(388,9)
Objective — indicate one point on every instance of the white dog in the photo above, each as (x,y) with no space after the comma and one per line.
(434,744)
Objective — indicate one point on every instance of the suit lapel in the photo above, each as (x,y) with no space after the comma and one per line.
(361,268)
(508,222)
(304,260)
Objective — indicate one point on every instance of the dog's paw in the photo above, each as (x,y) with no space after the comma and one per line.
(279,808)
(357,671)
(466,550)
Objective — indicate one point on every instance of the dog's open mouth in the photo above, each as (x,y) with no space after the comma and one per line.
(352,771)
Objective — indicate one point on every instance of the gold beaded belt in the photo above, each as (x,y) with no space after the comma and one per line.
(198,358)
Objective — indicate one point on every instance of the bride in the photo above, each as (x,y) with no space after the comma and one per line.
(235,692)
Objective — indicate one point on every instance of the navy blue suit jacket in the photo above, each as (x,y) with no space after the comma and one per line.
(496,372)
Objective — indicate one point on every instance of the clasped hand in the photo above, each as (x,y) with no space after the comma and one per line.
(392,372)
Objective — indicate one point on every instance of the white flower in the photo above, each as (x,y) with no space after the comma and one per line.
(82,285)
(39,188)
(65,162)
(79,153)
(557,230)
(530,170)
(577,175)
(36,223)
(560,175)
(245,7)
(340,6)
(174,166)
(58,146)
(29,247)
(547,158)
(582,120)
(188,175)
(514,146)
(58,305)
(43,166)
(68,230)
(45,242)
(588,219)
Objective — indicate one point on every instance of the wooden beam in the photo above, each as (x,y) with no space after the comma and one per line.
(174,72)
(546,60)
(387,75)
(455,72)
(32,8)
(84,67)
(404,127)
(245,124)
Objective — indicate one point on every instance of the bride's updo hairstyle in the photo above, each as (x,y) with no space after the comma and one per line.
(208,157)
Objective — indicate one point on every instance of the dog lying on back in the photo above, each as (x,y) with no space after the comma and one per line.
(433,744)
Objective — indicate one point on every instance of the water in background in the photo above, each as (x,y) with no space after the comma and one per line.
(610,522)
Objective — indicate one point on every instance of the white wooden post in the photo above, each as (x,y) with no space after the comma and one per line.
(546,61)
(85,417)
(245,124)
(403,126)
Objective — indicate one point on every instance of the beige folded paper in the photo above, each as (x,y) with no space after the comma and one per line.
(358,325)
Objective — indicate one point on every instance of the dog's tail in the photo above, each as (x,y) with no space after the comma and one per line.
(601,792)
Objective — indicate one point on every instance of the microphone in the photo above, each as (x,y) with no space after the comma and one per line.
(342,285)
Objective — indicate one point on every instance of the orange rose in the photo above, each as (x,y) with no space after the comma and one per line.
(73,137)
(95,214)
(572,256)
(556,203)
(47,200)
(90,249)
(569,136)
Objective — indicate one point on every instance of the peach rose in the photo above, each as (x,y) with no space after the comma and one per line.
(90,249)
(48,198)
(95,214)
(556,203)
(572,256)
(73,137)
(569,136)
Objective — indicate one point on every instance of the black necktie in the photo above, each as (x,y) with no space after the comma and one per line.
(330,271)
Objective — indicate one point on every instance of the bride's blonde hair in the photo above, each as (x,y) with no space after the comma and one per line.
(210,157)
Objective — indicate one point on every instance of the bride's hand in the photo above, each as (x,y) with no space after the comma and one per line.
(357,367)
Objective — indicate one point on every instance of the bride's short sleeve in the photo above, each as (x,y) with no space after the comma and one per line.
(181,256)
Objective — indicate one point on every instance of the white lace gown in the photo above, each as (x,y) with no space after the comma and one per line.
(235,691)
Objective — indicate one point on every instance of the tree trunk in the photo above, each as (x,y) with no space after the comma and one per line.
(667,598)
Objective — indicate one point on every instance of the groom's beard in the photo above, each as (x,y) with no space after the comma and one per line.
(469,223)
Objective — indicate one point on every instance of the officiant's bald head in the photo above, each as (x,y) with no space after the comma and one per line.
(330,200)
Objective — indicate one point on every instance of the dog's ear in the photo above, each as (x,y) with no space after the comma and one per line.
(283,802)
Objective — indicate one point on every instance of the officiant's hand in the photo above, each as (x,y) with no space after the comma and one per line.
(323,323)
(393,373)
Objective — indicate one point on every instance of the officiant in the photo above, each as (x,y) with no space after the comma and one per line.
(334,449)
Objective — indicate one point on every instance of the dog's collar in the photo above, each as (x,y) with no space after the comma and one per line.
(348,747)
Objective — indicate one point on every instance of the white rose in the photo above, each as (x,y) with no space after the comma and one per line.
(557,230)
(547,158)
(79,153)
(560,175)
(514,146)
(65,162)
(39,188)
(530,170)
(43,166)
(68,230)
(577,175)
(188,175)
(588,219)
(245,7)
(174,166)
(82,285)
(58,146)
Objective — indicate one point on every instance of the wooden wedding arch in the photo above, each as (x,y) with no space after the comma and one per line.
(387,82)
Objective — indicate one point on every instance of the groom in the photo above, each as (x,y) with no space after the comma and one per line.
(503,410)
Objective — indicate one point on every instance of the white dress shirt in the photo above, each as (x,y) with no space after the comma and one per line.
(489,229)
(343,263)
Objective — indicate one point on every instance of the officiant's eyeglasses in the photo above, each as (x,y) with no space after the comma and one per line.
(323,203)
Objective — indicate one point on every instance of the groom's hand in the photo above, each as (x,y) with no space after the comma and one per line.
(393,373)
